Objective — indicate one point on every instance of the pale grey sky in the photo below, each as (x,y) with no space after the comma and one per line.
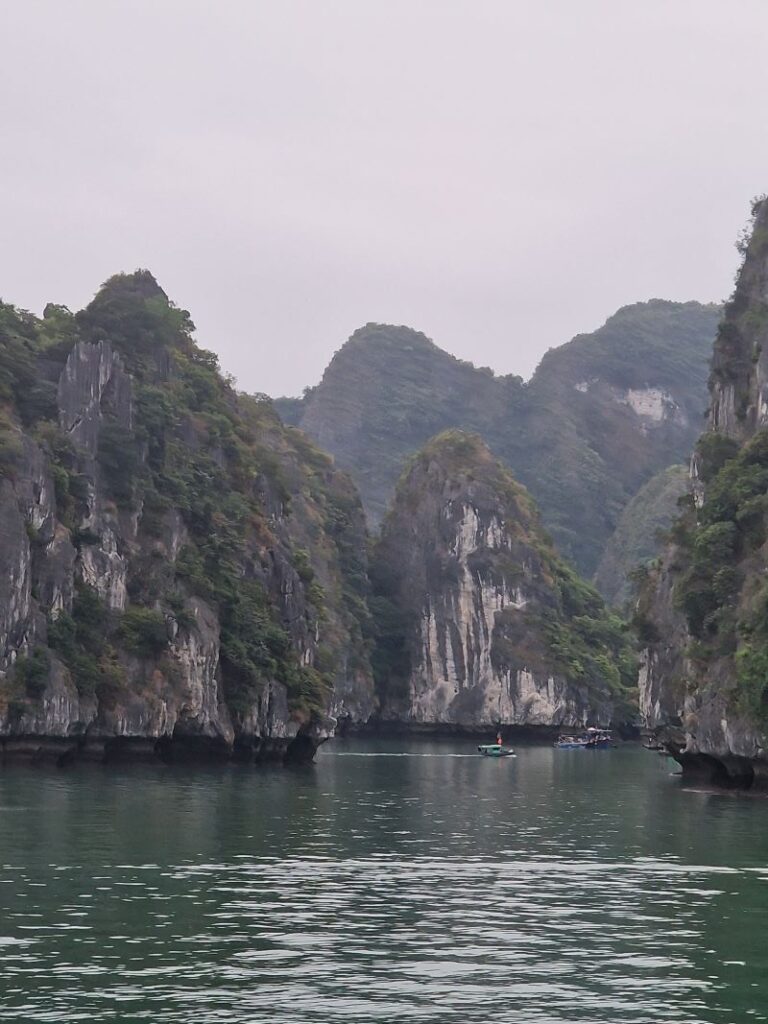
(500,174)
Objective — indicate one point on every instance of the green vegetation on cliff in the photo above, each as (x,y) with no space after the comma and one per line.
(387,391)
(703,612)
(719,586)
(639,533)
(475,607)
(200,491)
(610,410)
(599,418)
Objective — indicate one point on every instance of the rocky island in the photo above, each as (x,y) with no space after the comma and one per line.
(702,613)
(488,625)
(179,572)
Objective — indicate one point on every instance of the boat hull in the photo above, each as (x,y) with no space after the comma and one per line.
(592,743)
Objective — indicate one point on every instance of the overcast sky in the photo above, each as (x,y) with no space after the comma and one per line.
(500,174)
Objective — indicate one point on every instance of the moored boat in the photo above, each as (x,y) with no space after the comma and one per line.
(592,739)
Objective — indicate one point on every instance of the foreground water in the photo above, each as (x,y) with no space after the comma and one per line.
(390,882)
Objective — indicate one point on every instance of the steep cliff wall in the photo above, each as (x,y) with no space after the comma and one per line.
(600,416)
(703,612)
(481,623)
(178,571)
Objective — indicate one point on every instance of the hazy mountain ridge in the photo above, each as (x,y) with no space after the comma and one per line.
(384,393)
(598,418)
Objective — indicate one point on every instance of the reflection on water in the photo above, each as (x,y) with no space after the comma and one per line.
(431,886)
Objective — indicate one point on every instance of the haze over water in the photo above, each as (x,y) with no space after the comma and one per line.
(559,886)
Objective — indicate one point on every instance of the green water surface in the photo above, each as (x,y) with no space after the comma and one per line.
(390,882)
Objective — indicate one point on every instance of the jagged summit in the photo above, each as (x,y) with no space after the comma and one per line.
(135,315)
(141,284)
(457,449)
(464,465)
(387,335)
(739,380)
(653,344)
(382,345)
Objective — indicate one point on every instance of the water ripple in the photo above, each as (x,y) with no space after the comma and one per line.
(515,940)
(305,900)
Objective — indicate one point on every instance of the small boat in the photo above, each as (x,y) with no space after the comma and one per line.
(570,743)
(496,749)
(592,739)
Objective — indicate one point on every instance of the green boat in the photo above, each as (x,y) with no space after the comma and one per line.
(495,750)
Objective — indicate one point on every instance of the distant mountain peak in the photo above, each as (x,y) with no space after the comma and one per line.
(599,417)
(140,284)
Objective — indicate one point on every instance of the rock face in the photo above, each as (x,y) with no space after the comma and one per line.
(179,573)
(598,419)
(703,613)
(482,624)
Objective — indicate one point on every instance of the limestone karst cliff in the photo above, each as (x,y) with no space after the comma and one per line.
(600,416)
(703,612)
(481,623)
(178,570)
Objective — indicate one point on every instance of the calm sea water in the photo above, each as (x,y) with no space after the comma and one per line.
(390,882)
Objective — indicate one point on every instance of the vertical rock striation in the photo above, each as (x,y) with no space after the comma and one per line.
(483,624)
(179,572)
